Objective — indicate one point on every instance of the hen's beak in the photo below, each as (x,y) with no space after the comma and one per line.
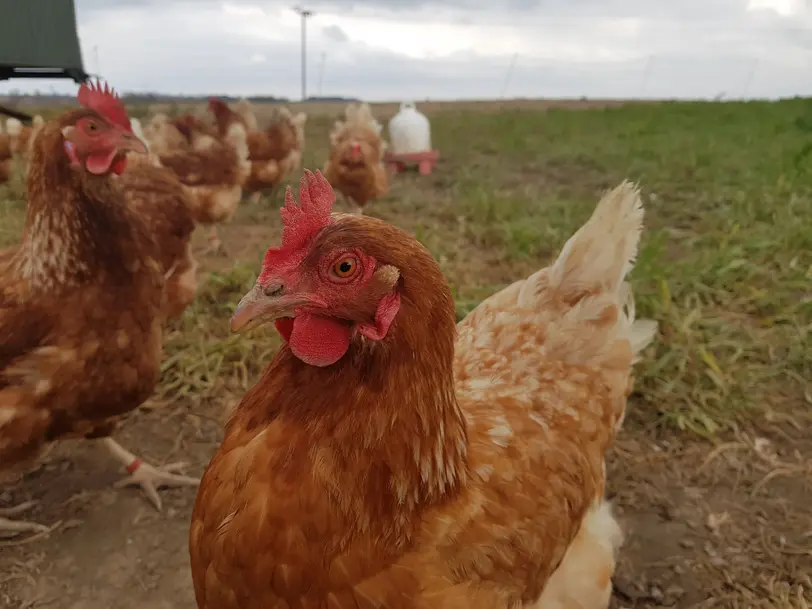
(126,141)
(355,150)
(264,304)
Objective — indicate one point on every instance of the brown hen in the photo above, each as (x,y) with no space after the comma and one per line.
(165,204)
(21,135)
(355,167)
(275,152)
(390,458)
(6,158)
(81,299)
(213,169)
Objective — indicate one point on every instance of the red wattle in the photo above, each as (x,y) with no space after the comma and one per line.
(119,166)
(99,163)
(319,341)
(284,326)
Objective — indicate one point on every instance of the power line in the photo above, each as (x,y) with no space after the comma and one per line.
(509,74)
(321,72)
(305,14)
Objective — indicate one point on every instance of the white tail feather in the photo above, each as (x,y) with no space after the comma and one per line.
(587,282)
(603,250)
(13,126)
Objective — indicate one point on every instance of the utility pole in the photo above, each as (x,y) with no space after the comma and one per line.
(509,74)
(305,14)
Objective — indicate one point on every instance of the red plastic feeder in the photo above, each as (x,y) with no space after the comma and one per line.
(424,161)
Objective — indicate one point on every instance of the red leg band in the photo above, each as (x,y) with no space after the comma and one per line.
(134,465)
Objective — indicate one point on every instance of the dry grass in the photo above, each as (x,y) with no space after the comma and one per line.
(726,263)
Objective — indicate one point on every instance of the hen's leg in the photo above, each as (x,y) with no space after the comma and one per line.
(215,245)
(148,477)
(20,526)
(255,196)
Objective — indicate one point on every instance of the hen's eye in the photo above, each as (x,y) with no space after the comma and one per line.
(91,126)
(345,268)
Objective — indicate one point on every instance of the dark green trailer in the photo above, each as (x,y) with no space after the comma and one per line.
(38,39)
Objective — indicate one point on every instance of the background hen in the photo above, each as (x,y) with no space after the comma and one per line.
(165,204)
(355,167)
(212,168)
(382,460)
(275,151)
(163,136)
(20,134)
(6,157)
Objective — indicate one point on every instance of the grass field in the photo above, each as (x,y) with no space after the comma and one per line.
(712,474)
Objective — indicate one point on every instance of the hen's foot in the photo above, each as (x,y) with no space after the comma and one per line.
(148,477)
(255,197)
(15,527)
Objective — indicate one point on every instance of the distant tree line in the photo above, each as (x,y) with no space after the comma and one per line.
(46,99)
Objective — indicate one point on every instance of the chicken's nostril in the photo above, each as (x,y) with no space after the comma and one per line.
(274,289)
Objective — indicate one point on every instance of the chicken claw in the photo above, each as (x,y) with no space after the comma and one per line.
(14,527)
(148,477)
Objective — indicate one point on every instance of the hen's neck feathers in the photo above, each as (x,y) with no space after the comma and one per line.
(77,224)
(385,416)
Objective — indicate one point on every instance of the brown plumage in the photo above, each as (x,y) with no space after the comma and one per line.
(81,298)
(6,158)
(21,135)
(432,465)
(190,125)
(80,307)
(355,167)
(224,116)
(213,169)
(159,198)
(163,136)
(275,152)
(214,172)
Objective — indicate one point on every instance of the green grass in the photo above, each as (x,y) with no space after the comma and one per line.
(726,263)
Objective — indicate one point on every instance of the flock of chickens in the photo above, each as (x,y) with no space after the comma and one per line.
(388,457)
(219,157)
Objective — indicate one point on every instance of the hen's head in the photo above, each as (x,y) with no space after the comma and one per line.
(339,280)
(219,108)
(360,148)
(187,124)
(284,132)
(98,137)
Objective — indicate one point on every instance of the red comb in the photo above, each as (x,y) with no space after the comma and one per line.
(301,221)
(104,100)
(316,198)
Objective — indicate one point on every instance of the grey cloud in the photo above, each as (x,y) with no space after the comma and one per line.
(517,11)
(188,64)
(689,57)
(335,33)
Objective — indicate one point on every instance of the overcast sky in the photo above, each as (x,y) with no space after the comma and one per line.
(450,49)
